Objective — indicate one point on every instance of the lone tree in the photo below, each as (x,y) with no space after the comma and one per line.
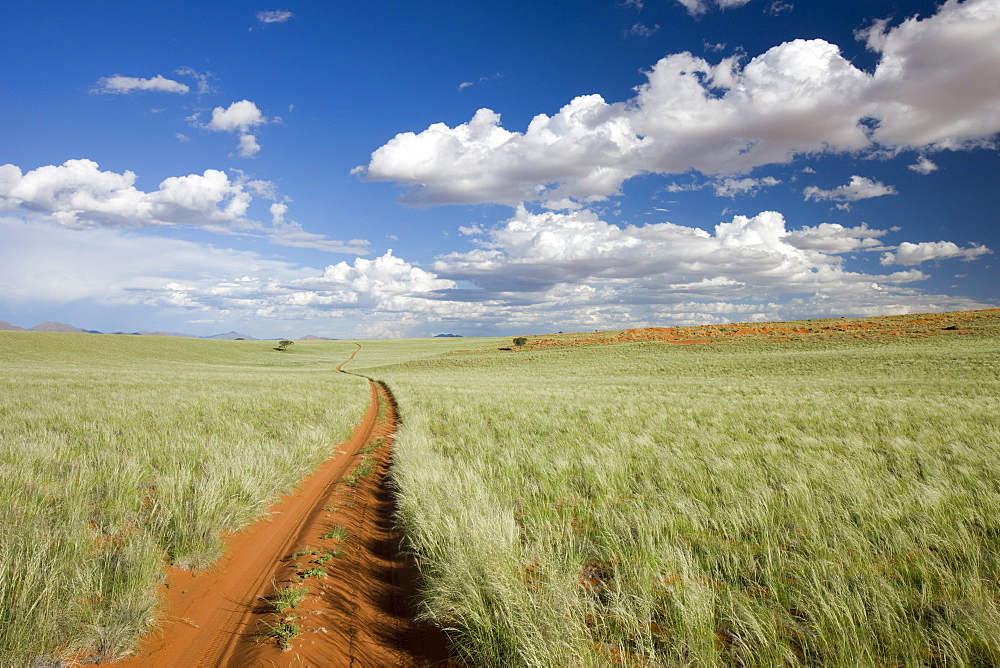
(520,340)
(283,345)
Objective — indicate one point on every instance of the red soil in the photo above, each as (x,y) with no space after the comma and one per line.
(357,614)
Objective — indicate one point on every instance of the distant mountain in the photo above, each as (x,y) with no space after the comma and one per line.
(230,336)
(51,326)
(438,336)
(185,336)
(310,337)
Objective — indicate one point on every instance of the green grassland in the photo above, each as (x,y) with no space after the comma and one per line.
(824,493)
(812,493)
(119,454)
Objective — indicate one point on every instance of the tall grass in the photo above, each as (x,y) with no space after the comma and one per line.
(120,453)
(824,502)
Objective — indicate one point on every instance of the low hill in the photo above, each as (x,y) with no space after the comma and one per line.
(230,336)
(52,326)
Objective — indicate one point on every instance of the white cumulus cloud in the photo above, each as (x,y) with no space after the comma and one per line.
(930,90)
(537,272)
(747,255)
(923,166)
(934,84)
(238,116)
(78,194)
(248,146)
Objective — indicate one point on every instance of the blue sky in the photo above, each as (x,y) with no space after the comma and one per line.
(379,169)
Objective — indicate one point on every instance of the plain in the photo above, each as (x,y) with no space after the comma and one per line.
(811,493)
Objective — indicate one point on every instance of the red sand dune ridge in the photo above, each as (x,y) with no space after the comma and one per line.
(892,326)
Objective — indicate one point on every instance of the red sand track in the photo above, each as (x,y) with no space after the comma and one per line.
(357,614)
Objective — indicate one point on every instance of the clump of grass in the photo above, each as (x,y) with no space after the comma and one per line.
(323,558)
(284,632)
(335,532)
(287,597)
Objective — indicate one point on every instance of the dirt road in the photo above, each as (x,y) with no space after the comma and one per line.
(333,537)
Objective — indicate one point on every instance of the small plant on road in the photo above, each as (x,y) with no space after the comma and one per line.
(284,632)
(335,532)
(287,597)
(313,572)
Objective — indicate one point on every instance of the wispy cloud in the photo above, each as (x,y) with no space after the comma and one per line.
(699,7)
(911,254)
(122,85)
(726,186)
(275,16)
(201,78)
(779,7)
(859,188)
(640,30)
(466,84)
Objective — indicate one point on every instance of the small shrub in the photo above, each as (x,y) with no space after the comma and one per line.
(520,340)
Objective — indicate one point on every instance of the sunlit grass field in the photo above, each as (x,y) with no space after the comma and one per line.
(815,494)
(119,454)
